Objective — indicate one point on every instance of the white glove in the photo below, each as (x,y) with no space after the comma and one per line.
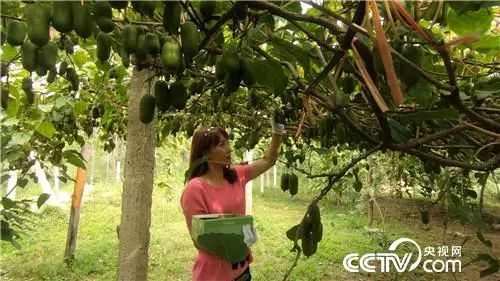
(277,127)
(249,235)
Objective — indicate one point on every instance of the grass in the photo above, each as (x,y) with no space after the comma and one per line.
(171,253)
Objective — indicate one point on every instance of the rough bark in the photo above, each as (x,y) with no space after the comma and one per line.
(138,185)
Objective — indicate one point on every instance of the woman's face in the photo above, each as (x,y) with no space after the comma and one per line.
(220,153)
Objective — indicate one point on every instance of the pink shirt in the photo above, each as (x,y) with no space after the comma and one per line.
(200,197)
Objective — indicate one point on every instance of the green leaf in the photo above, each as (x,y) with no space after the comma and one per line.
(292,233)
(46,129)
(493,263)
(74,158)
(42,199)
(439,114)
(61,101)
(79,107)
(7,203)
(399,132)
(80,58)
(290,52)
(483,240)
(292,6)
(20,138)
(12,108)
(256,35)
(487,43)
(422,93)
(271,74)
(470,22)
(22,182)
(8,53)
(45,107)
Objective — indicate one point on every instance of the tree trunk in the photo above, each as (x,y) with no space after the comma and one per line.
(138,185)
(74,218)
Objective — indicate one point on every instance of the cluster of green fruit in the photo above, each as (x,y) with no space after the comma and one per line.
(232,69)
(329,130)
(290,182)
(310,233)
(173,96)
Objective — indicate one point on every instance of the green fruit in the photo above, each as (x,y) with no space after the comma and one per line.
(29,53)
(47,55)
(247,72)
(172,16)
(38,19)
(73,78)
(16,32)
(62,16)
(293,183)
(220,72)
(102,9)
(103,43)
(317,232)
(106,25)
(306,227)
(231,84)
(63,66)
(125,58)
(82,20)
(285,181)
(152,44)
(230,60)
(27,86)
(309,247)
(179,95)
(171,55)
(140,52)
(51,77)
(207,8)
(147,109)
(315,215)
(190,38)
(162,95)
(348,84)
(68,45)
(118,4)
(414,54)
(4,97)
(129,38)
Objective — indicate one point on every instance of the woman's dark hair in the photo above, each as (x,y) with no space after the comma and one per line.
(203,140)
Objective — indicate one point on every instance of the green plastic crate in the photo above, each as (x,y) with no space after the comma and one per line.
(221,235)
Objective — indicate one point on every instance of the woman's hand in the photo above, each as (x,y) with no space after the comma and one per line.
(277,127)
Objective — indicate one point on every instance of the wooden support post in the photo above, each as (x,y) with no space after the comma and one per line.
(74,218)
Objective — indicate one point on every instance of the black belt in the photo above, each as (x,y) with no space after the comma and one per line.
(240,263)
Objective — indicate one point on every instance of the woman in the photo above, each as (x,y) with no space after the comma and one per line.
(214,187)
